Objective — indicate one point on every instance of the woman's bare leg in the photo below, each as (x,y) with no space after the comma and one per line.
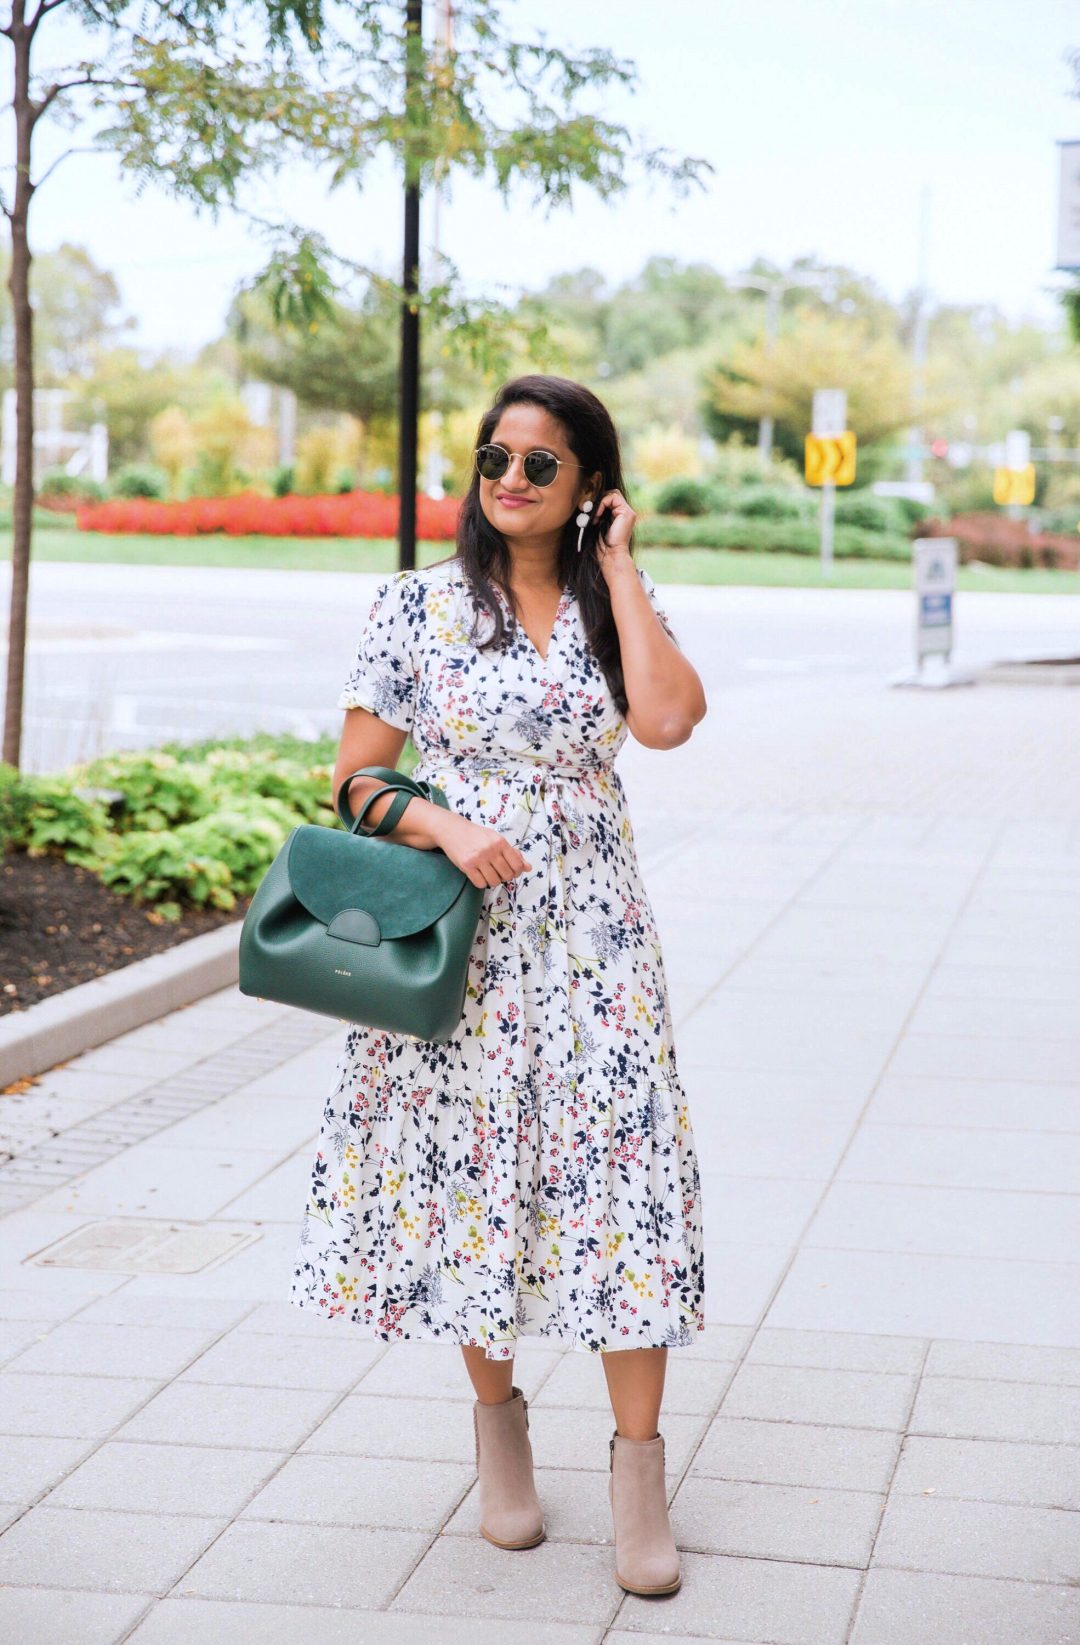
(492,1379)
(635,1381)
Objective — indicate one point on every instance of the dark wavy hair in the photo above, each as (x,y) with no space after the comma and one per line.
(482,550)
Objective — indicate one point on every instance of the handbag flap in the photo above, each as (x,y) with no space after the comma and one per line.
(403,888)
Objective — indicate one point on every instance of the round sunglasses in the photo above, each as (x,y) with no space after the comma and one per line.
(540,467)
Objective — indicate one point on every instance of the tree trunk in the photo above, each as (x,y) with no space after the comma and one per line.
(23,324)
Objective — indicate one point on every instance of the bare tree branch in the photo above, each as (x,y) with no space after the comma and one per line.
(49,97)
(47,173)
(44,7)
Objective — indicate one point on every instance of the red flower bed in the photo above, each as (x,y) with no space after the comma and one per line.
(356,514)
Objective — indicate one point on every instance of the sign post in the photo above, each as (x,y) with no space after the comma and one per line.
(830,460)
(1014,476)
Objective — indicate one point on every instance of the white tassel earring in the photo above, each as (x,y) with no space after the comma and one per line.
(582,521)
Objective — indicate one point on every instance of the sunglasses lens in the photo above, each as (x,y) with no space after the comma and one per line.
(492,461)
(541,467)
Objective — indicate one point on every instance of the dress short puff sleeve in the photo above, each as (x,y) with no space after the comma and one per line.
(384,676)
(650,588)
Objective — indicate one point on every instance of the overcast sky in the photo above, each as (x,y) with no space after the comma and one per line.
(823,122)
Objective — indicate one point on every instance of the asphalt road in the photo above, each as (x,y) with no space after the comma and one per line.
(121,656)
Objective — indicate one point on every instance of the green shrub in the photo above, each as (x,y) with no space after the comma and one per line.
(736,464)
(159,791)
(684,497)
(40,814)
(763,503)
(158,866)
(140,480)
(872,513)
(275,745)
(966,491)
(210,861)
(1060,521)
(57,482)
(723,499)
(910,511)
(768,536)
(283,480)
(195,823)
(14,807)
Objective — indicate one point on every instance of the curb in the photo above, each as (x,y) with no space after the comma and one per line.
(92,1012)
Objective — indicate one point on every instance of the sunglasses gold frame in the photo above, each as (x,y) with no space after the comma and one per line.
(543,450)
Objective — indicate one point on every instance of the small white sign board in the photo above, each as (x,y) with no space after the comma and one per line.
(1017,449)
(829,415)
(1068,235)
(935,585)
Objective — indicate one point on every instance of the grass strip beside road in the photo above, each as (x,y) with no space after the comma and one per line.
(707,566)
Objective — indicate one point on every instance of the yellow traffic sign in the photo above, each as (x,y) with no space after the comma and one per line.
(1015,485)
(830,459)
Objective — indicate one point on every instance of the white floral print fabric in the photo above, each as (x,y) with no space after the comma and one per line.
(536,1174)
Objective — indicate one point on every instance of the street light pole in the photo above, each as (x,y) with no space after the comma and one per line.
(919,340)
(435,467)
(774,287)
(409,398)
(772,320)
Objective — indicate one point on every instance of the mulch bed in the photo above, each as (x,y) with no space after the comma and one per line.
(60,926)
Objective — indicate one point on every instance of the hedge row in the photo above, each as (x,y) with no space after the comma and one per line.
(768,536)
(892,515)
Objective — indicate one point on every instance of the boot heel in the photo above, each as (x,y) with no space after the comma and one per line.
(510,1511)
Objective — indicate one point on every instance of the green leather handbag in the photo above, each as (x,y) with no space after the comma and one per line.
(364,929)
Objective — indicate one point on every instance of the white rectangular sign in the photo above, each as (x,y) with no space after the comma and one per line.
(1068,236)
(935,581)
(1017,449)
(829,415)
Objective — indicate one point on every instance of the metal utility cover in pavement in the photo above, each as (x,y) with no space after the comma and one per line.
(144,1248)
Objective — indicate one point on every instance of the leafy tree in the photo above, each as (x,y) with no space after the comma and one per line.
(203,94)
(815,351)
(345,360)
(127,392)
(77,313)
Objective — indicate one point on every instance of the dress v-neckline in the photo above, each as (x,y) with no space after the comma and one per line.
(560,610)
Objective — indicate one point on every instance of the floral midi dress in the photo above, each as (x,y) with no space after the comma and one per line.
(535,1175)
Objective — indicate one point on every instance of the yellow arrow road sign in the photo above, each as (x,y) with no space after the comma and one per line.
(1015,485)
(830,459)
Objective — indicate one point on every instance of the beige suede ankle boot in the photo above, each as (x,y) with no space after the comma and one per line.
(646,1558)
(510,1512)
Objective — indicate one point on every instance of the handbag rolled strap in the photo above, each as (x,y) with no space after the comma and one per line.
(363,928)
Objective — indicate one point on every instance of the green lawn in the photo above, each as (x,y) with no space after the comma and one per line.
(667,565)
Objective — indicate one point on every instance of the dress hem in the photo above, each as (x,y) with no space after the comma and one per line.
(571,1341)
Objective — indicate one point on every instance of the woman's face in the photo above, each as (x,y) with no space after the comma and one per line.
(514,506)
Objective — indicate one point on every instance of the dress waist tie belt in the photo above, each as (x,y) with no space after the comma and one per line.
(546,780)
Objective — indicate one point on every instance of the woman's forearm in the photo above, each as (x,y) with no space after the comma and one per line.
(420,824)
(663,687)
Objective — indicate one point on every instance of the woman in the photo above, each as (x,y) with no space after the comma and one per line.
(535,1175)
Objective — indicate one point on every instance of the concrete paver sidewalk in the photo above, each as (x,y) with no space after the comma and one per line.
(876,973)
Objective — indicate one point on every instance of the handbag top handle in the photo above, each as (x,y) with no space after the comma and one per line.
(390,780)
